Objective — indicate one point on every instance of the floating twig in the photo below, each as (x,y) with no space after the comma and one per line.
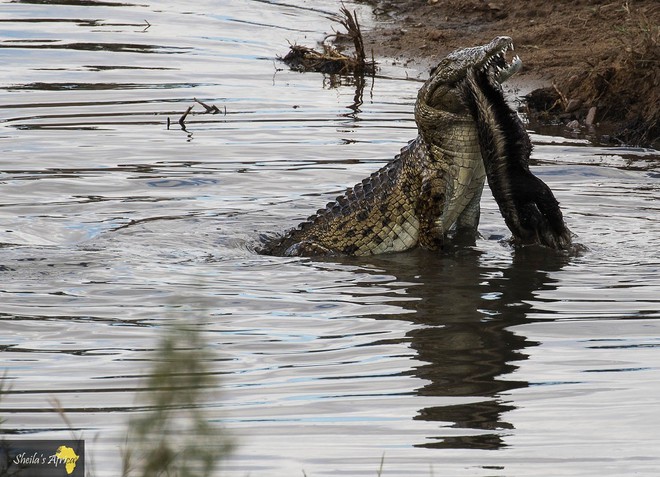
(209,109)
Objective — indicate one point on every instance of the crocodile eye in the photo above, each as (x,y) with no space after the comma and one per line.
(443,64)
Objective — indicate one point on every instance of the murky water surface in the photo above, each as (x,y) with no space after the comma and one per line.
(482,361)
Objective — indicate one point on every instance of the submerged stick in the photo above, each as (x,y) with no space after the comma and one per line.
(212,109)
(182,119)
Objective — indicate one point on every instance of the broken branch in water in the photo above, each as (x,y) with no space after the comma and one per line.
(182,119)
(212,109)
(331,60)
(209,109)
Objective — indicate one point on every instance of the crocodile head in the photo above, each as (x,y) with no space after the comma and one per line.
(439,101)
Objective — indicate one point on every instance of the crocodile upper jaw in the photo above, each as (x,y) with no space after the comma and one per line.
(440,94)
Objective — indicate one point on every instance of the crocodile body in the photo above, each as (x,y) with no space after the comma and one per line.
(410,201)
(432,187)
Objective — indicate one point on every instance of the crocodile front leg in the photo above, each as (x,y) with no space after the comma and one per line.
(429,208)
(468,220)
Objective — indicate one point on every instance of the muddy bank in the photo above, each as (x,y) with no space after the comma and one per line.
(600,62)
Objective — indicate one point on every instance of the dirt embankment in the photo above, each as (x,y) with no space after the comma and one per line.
(600,60)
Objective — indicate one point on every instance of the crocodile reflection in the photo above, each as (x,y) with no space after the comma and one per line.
(468,309)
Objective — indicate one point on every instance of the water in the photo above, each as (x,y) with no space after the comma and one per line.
(483,361)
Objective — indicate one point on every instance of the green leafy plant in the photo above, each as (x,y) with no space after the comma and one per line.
(173,436)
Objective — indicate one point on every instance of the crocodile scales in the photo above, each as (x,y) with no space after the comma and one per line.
(432,187)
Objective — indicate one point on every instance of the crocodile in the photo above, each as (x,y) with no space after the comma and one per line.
(429,190)
(529,208)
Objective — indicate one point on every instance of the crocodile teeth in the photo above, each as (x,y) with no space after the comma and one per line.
(499,65)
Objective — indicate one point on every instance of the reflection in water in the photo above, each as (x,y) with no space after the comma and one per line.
(98,86)
(82,3)
(468,309)
(359,82)
(113,47)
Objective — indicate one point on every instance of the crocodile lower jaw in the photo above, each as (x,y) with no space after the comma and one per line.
(500,67)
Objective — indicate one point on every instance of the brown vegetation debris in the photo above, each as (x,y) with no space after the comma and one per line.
(330,60)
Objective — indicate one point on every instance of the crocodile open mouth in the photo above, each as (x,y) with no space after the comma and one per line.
(500,68)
